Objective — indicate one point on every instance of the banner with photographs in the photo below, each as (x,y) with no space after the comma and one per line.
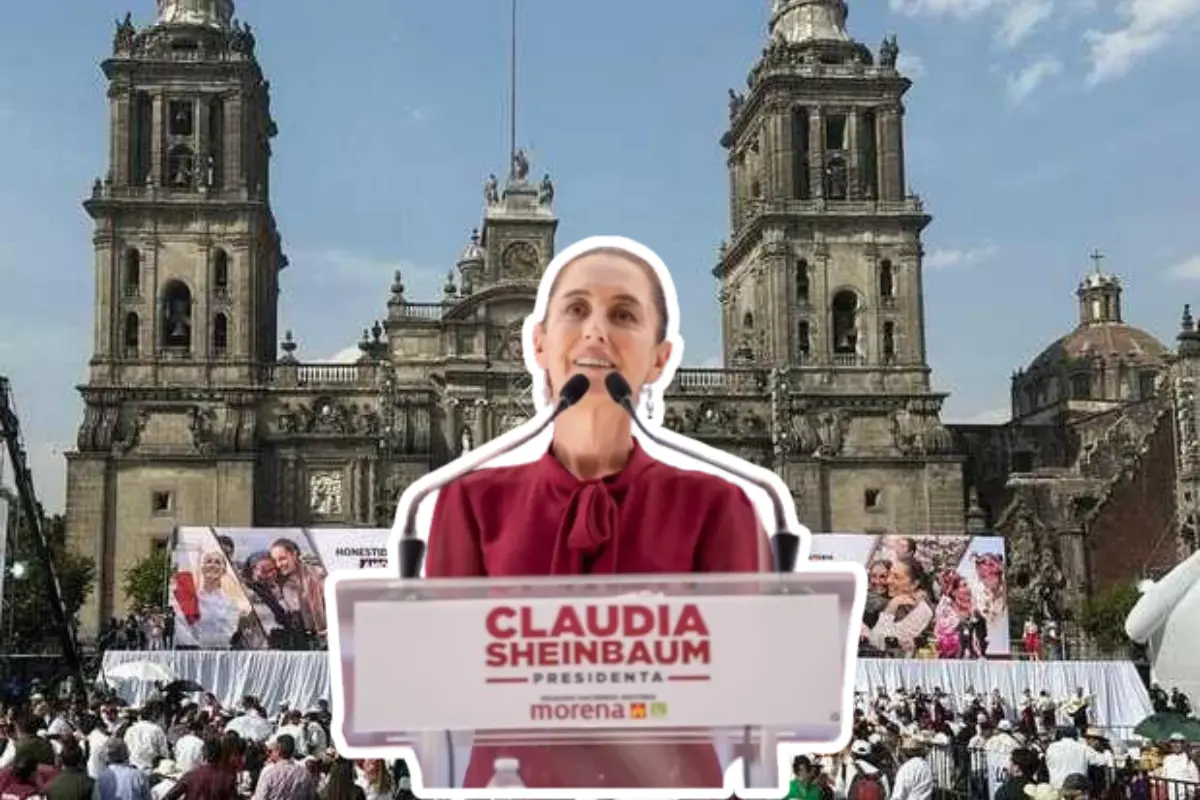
(935,597)
(261,588)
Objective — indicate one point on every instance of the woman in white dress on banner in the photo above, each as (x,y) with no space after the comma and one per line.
(210,617)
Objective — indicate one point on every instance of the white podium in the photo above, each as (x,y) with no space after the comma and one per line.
(598,683)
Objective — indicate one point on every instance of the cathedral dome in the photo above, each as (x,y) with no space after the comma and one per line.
(1114,341)
(1103,361)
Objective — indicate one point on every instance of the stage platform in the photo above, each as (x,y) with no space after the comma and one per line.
(300,679)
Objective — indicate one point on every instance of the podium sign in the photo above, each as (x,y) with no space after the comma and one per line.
(593,661)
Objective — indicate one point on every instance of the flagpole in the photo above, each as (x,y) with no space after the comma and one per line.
(512,90)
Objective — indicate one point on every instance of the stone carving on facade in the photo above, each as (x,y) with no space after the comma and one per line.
(96,431)
(736,101)
(491,191)
(325,417)
(508,419)
(520,261)
(799,435)
(325,493)
(507,344)
(917,430)
(202,422)
(1185,421)
(129,430)
(242,40)
(546,191)
(520,165)
(832,427)
(125,34)
(889,52)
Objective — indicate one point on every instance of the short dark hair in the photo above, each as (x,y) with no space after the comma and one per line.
(1025,760)
(71,755)
(286,745)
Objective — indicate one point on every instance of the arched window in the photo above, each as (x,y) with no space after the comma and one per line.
(220,334)
(803,339)
(887,280)
(889,341)
(132,277)
(130,334)
(181,167)
(802,285)
(748,321)
(845,323)
(176,316)
(220,270)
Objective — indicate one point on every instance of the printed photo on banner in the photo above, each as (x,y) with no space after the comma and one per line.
(933,597)
(261,588)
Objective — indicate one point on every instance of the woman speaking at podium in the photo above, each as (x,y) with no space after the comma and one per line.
(596,503)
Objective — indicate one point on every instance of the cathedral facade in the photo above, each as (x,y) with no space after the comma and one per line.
(198,410)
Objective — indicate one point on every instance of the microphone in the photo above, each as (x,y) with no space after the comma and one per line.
(412,546)
(785,545)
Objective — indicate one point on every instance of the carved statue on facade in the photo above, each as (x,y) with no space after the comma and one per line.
(491,191)
(672,420)
(546,191)
(736,101)
(466,442)
(889,52)
(325,493)
(126,32)
(520,166)
(832,427)
(129,430)
(202,422)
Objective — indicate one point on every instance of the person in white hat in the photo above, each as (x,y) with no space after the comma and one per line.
(1178,765)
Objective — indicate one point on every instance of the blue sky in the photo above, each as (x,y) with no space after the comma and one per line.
(1036,131)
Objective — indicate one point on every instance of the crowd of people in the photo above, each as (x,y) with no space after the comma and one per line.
(917,745)
(908,744)
(172,750)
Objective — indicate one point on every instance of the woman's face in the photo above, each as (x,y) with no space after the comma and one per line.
(962,594)
(602,317)
(899,580)
(212,565)
(879,578)
(989,574)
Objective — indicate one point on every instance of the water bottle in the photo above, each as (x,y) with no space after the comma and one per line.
(507,774)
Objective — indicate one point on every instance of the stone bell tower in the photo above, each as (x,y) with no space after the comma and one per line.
(187,257)
(821,280)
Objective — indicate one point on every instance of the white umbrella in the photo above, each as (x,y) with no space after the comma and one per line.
(145,671)
(251,726)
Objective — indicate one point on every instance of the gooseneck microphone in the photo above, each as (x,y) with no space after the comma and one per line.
(785,545)
(412,546)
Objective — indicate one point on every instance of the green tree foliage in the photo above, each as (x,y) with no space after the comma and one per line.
(29,626)
(146,581)
(1104,616)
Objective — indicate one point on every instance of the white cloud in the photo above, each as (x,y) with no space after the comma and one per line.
(1025,82)
(1018,18)
(987,416)
(910,65)
(347,355)
(1021,18)
(1148,25)
(955,8)
(947,258)
(1186,270)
